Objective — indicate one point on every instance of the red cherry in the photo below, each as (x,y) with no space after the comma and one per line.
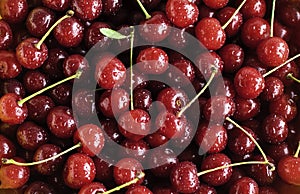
(57,5)
(246,108)
(6,36)
(10,66)
(244,185)
(233,57)
(253,8)
(7,148)
(88,9)
(13,11)
(274,129)
(288,169)
(224,15)
(92,188)
(215,4)
(139,189)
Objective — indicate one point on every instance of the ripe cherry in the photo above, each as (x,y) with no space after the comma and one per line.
(57,5)
(139,189)
(87,10)
(10,66)
(13,11)
(244,185)
(274,129)
(94,187)
(224,15)
(7,148)
(6,36)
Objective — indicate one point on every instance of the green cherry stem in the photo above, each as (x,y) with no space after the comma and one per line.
(297,151)
(139,177)
(75,76)
(272,18)
(12,161)
(148,16)
(283,64)
(69,14)
(131,68)
(213,74)
(290,76)
(234,14)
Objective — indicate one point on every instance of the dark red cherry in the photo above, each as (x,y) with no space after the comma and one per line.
(178,38)
(10,66)
(69,32)
(183,72)
(93,37)
(138,189)
(87,10)
(289,15)
(215,4)
(204,188)
(13,11)
(91,138)
(254,30)
(104,170)
(126,170)
(273,51)
(29,56)
(39,20)
(249,83)
(224,87)
(110,72)
(110,126)
(11,112)
(246,108)
(278,151)
(253,8)
(182,13)
(184,177)
(62,94)
(282,31)
(267,190)
(57,5)
(12,86)
(35,81)
(134,149)
(7,148)
(285,107)
(134,124)
(186,138)
(273,90)
(210,33)
(61,122)
(232,56)
(142,99)
(288,169)
(244,185)
(111,7)
(79,170)
(39,186)
(31,136)
(13,176)
(224,15)
(75,62)
(282,73)
(156,139)
(44,152)
(92,188)
(153,60)
(274,129)
(84,103)
(211,138)
(205,11)
(218,177)
(6,35)
(164,189)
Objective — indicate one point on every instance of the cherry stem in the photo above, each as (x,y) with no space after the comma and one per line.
(272,18)
(290,76)
(139,177)
(131,69)
(251,137)
(12,161)
(297,151)
(213,74)
(283,64)
(0,17)
(236,164)
(69,14)
(75,76)
(148,16)
(234,14)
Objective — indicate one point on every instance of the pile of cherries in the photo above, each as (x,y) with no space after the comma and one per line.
(119,130)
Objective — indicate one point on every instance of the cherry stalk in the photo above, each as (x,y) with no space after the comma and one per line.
(234,14)
(148,16)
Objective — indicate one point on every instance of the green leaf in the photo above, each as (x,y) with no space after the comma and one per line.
(112,34)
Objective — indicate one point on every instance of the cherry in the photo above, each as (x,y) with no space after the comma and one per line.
(282,31)
(135,149)
(246,108)
(79,170)
(218,177)
(35,81)
(156,139)
(84,103)
(211,138)
(57,5)
(142,99)
(204,188)
(92,36)
(94,187)
(233,57)
(134,124)
(274,129)
(278,151)
(139,189)
(179,38)
(244,185)
(283,72)
(267,190)
(87,10)
(253,8)
(9,67)
(182,13)
(184,177)
(285,107)
(31,136)
(104,170)
(39,186)
(6,35)
(248,82)
(274,89)
(110,72)
(233,28)
(205,11)
(73,63)
(289,15)
(44,152)
(11,112)
(186,137)
(111,7)
(61,94)
(164,189)
(7,148)
(224,88)
(39,20)
(183,73)
(13,11)
(12,86)
(210,33)
(12,176)
(91,138)
(288,168)
(61,122)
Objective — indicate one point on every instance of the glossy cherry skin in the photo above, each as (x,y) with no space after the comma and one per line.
(91,138)
(126,170)
(10,66)
(7,148)
(249,83)
(288,169)
(92,36)
(62,94)
(282,31)
(183,73)
(253,8)
(57,5)
(246,108)
(274,129)
(13,11)
(274,88)
(233,28)
(111,7)
(12,86)
(278,151)
(210,33)
(218,177)
(92,188)
(156,139)
(39,186)
(104,170)
(232,56)
(134,149)
(39,20)
(184,177)
(289,15)
(153,60)
(11,112)
(12,176)
(87,10)
(182,13)
(75,62)
(79,170)
(69,33)
(138,189)
(285,107)
(142,99)
(134,124)
(6,35)
(272,52)
(35,81)
(285,70)
(244,185)
(46,151)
